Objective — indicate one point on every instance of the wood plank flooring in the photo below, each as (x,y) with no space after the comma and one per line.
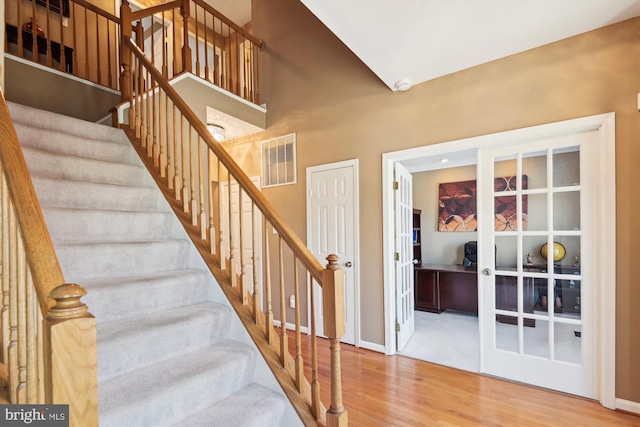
(381,390)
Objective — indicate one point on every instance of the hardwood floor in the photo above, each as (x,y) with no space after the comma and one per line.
(381,390)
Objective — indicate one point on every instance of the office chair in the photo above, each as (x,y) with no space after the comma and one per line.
(470,253)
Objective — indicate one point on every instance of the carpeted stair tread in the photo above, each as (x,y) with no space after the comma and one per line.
(80,261)
(90,195)
(160,394)
(130,344)
(111,299)
(253,406)
(73,145)
(73,168)
(90,225)
(57,122)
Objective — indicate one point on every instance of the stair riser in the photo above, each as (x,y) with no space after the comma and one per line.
(73,168)
(88,261)
(145,295)
(67,225)
(62,143)
(59,193)
(152,339)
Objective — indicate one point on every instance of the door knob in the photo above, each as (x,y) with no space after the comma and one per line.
(348,264)
(487,272)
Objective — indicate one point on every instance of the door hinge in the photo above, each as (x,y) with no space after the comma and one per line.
(397,327)
(396,185)
(396,256)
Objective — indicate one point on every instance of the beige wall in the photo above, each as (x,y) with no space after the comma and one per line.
(314,86)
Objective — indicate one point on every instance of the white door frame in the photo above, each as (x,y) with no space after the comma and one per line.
(604,248)
(356,225)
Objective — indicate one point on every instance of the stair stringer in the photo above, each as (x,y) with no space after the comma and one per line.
(243,327)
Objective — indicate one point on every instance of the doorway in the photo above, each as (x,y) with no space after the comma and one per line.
(333,228)
(598,159)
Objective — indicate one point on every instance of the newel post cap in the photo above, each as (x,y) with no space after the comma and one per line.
(68,304)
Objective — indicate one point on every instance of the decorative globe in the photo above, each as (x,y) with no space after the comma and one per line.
(558,251)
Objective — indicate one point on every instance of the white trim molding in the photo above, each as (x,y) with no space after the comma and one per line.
(372,346)
(601,168)
(628,406)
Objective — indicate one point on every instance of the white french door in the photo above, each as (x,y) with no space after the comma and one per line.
(405,316)
(535,304)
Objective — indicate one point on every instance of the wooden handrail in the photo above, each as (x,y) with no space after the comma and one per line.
(38,245)
(97,10)
(170,140)
(287,234)
(143,13)
(54,362)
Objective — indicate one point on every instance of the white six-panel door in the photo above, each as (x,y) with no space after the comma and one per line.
(332,229)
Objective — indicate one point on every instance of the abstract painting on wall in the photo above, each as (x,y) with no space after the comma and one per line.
(458,208)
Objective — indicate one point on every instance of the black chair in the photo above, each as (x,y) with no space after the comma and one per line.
(470,254)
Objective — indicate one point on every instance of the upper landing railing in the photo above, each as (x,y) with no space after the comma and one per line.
(83,40)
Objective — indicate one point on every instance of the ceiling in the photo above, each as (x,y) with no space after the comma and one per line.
(420,40)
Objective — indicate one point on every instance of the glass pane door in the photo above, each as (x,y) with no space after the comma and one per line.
(531,238)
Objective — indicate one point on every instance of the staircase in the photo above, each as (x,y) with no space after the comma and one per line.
(165,356)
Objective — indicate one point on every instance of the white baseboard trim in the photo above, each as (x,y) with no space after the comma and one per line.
(292,327)
(628,405)
(372,346)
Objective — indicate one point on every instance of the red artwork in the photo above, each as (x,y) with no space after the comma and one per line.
(458,211)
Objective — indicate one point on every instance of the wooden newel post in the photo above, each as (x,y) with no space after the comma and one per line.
(70,356)
(125,52)
(334,328)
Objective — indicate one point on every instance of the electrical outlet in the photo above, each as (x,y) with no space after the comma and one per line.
(292,301)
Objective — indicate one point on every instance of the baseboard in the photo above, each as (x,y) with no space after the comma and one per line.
(291,326)
(372,346)
(628,406)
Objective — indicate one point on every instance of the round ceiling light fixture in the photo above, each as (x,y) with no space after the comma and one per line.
(403,85)
(216,131)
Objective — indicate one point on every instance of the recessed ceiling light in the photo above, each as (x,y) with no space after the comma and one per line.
(444,160)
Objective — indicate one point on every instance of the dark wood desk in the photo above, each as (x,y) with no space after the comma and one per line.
(440,287)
